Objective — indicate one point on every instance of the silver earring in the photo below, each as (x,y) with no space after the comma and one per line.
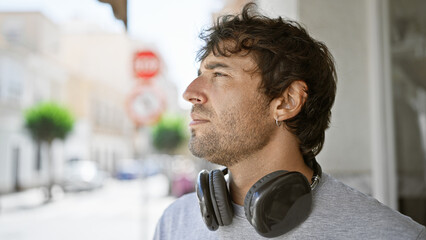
(278,123)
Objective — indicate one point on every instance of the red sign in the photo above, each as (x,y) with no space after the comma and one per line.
(146,65)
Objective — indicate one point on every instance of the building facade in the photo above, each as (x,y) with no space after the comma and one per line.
(29,73)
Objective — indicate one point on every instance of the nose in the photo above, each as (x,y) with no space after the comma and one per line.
(195,92)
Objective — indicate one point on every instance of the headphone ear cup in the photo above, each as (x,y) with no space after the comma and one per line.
(253,189)
(204,199)
(277,204)
(221,199)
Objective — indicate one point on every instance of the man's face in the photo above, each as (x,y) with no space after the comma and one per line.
(230,117)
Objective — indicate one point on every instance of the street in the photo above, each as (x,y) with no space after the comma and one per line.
(119,210)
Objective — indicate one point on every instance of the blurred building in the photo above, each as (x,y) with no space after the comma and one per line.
(100,79)
(101,66)
(377,139)
(83,67)
(29,73)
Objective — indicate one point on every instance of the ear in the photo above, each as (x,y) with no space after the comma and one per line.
(291,101)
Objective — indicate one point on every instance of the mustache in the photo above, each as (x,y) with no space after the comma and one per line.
(201,110)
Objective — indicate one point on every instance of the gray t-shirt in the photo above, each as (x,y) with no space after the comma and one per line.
(338,212)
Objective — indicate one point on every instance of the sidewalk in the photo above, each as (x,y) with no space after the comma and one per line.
(119,210)
(22,200)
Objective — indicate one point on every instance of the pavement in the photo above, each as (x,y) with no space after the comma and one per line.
(119,210)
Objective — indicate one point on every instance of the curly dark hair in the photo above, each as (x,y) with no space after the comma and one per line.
(284,53)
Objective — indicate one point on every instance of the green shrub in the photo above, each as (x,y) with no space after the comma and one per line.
(169,133)
(47,121)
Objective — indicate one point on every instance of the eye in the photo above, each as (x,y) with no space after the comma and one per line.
(218,74)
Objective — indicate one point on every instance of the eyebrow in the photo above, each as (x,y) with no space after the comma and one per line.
(214,65)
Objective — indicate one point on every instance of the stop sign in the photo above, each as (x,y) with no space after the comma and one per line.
(146,64)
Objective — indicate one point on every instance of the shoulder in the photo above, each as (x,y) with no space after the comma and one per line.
(181,209)
(180,218)
(187,199)
(344,206)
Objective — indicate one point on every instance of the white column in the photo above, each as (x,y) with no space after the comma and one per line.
(384,177)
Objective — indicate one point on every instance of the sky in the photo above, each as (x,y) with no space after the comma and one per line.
(169,26)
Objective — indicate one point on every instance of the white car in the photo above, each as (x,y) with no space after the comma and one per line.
(82,175)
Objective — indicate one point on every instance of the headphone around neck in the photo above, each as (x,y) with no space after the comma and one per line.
(275,204)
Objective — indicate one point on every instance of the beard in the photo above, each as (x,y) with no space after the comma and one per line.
(234,135)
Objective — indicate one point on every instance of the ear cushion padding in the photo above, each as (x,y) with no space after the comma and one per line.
(221,199)
(205,201)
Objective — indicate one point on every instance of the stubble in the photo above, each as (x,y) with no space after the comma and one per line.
(234,135)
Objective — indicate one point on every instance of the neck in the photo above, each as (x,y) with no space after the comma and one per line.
(282,153)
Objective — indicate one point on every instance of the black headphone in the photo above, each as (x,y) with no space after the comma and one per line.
(274,205)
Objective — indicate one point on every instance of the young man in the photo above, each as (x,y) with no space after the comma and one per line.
(261,103)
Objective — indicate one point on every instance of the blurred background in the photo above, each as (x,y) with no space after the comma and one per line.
(93,129)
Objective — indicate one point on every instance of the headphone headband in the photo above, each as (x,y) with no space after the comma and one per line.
(316,177)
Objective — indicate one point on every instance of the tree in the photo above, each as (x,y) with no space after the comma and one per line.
(46,122)
(169,133)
